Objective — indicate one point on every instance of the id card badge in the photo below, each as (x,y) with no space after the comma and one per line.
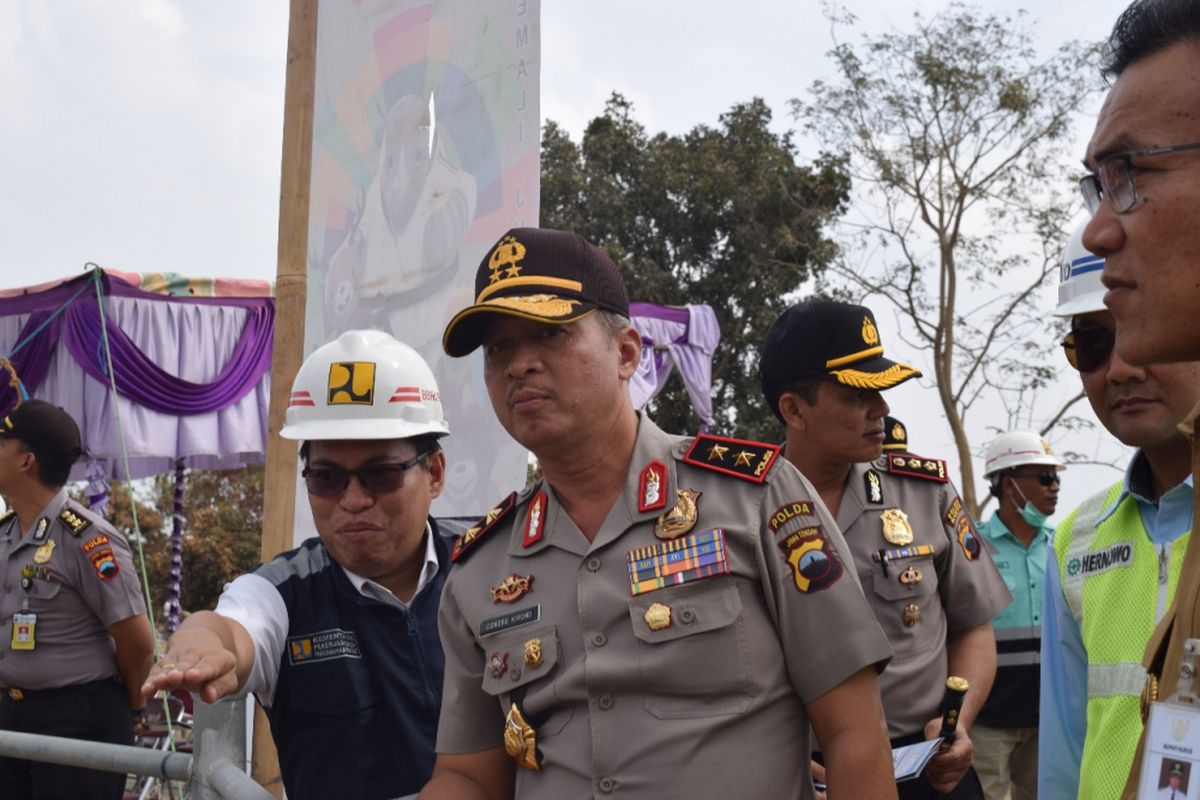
(24,627)
(1171,758)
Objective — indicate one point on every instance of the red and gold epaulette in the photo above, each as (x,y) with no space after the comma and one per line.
(738,457)
(475,534)
(910,466)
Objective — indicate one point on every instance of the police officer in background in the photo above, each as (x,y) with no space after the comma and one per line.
(642,620)
(1023,476)
(895,436)
(76,643)
(338,638)
(925,572)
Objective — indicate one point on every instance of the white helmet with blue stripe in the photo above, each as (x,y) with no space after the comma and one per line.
(1079,288)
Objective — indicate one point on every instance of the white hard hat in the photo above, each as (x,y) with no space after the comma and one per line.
(1079,288)
(1017,448)
(364,385)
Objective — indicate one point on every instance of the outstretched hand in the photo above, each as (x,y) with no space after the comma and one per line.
(195,661)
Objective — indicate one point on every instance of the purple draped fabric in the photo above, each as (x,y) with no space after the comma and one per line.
(137,376)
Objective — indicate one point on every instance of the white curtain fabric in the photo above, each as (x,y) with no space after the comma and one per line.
(190,341)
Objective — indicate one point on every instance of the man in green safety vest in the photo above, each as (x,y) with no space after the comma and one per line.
(1116,558)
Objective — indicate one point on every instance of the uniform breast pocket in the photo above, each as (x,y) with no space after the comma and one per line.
(693,657)
(520,661)
(902,598)
(339,691)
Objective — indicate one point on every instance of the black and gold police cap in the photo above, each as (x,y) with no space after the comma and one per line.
(827,339)
(542,275)
(46,429)
(895,436)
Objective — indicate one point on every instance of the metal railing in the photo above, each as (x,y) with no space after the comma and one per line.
(215,771)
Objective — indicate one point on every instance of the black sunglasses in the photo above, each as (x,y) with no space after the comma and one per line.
(1088,347)
(1044,478)
(373,478)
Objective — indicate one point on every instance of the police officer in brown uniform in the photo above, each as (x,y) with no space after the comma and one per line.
(75,642)
(645,619)
(925,572)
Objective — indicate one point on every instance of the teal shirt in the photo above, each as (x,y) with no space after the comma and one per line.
(1013,702)
(1023,569)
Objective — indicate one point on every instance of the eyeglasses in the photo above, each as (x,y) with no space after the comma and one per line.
(1113,178)
(1088,347)
(373,478)
(1044,478)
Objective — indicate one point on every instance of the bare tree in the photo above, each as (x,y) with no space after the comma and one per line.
(956,135)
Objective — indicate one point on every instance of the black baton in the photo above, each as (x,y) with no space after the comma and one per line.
(956,690)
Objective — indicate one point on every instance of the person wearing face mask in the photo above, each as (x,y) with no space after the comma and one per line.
(1023,474)
(1116,559)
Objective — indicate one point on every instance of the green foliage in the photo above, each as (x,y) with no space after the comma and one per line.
(221,532)
(955,135)
(720,215)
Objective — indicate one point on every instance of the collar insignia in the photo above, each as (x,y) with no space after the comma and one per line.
(651,496)
(535,523)
(873,487)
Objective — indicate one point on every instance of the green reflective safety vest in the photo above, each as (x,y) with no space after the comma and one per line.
(1118,584)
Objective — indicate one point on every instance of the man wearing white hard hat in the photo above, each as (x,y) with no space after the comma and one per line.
(338,638)
(1023,475)
(1116,558)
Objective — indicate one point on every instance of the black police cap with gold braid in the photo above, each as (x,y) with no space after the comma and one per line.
(895,435)
(539,274)
(827,339)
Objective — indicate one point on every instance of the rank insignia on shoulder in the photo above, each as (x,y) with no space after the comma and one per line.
(931,469)
(476,532)
(535,523)
(738,457)
(872,487)
(651,496)
(74,522)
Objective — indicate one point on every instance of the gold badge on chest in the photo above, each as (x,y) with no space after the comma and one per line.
(896,529)
(44,553)
(680,518)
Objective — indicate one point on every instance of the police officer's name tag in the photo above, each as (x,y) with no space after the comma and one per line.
(512,620)
(24,626)
(1171,758)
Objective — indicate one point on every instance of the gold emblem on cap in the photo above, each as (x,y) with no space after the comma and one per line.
(43,553)
(898,432)
(680,518)
(533,653)
(505,257)
(869,333)
(520,739)
(896,529)
(911,615)
(658,616)
(546,306)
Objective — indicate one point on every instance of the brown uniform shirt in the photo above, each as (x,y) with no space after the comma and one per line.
(695,688)
(941,583)
(75,573)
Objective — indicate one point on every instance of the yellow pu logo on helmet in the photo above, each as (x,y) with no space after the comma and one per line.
(869,333)
(351,383)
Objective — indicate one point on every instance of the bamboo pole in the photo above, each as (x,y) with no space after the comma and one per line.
(279,483)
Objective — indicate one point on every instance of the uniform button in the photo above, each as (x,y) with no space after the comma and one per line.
(515,672)
(599,639)
(593,564)
(607,785)
(605,702)
(687,616)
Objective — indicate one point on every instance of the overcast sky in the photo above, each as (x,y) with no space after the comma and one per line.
(145,134)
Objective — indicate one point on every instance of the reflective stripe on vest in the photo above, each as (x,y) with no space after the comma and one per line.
(1110,574)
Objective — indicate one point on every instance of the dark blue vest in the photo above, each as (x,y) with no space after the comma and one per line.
(360,682)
